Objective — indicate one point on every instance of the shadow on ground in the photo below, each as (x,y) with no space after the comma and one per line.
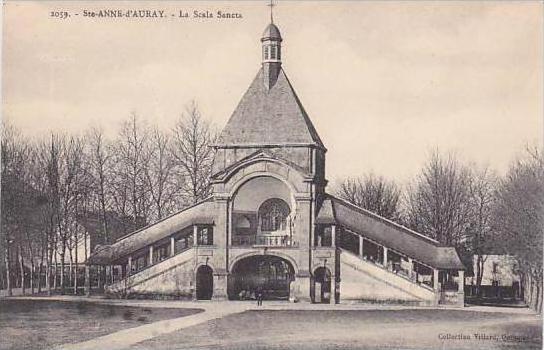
(42,324)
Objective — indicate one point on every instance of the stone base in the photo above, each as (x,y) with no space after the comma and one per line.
(301,289)
(219,287)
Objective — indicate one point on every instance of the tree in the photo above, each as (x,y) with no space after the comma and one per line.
(518,218)
(14,155)
(480,235)
(129,189)
(63,159)
(438,202)
(373,193)
(192,138)
(21,204)
(162,184)
(99,156)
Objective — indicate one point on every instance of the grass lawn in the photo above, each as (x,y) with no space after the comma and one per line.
(42,324)
(364,329)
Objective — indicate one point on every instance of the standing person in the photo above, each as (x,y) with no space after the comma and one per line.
(259,296)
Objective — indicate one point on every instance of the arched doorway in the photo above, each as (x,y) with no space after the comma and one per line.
(204,283)
(322,285)
(269,274)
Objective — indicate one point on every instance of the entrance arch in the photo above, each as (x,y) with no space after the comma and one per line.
(322,285)
(268,274)
(204,283)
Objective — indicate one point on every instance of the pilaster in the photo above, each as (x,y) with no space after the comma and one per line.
(301,287)
(220,286)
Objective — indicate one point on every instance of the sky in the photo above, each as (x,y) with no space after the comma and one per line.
(383,82)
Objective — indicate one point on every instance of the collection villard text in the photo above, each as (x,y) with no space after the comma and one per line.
(116,13)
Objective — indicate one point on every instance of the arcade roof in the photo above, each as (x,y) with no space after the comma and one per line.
(388,233)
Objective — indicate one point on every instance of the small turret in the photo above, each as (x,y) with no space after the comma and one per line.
(271,43)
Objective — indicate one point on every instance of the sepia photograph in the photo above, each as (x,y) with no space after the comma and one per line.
(272,174)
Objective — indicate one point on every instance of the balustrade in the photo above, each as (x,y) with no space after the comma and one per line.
(263,240)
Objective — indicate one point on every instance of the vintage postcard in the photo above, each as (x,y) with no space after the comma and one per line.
(272,175)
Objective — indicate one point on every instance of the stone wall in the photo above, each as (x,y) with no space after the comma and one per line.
(363,281)
(173,277)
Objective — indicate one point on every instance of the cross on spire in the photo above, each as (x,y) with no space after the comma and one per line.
(271,5)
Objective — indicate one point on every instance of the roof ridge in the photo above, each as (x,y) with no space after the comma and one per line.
(163,219)
(385,220)
(307,119)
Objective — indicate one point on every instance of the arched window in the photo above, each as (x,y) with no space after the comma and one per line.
(273,215)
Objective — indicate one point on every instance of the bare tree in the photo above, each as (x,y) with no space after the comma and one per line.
(64,159)
(192,137)
(14,156)
(519,219)
(480,238)
(99,159)
(438,202)
(21,227)
(160,176)
(373,193)
(130,192)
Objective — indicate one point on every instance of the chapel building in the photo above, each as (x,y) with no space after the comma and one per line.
(270,227)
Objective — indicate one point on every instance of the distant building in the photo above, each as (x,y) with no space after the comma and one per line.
(500,278)
(270,226)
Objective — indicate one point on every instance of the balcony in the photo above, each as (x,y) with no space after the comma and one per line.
(263,241)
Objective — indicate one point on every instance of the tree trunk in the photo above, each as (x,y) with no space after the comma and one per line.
(40,271)
(479,275)
(55,270)
(22,269)
(71,272)
(76,241)
(8,270)
(87,280)
(531,292)
(538,301)
(48,277)
(99,273)
(70,263)
(48,262)
(32,276)
(62,268)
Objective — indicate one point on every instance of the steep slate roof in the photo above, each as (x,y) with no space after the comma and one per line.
(269,116)
(201,213)
(388,233)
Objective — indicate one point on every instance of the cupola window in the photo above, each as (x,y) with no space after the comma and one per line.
(266,52)
(273,52)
